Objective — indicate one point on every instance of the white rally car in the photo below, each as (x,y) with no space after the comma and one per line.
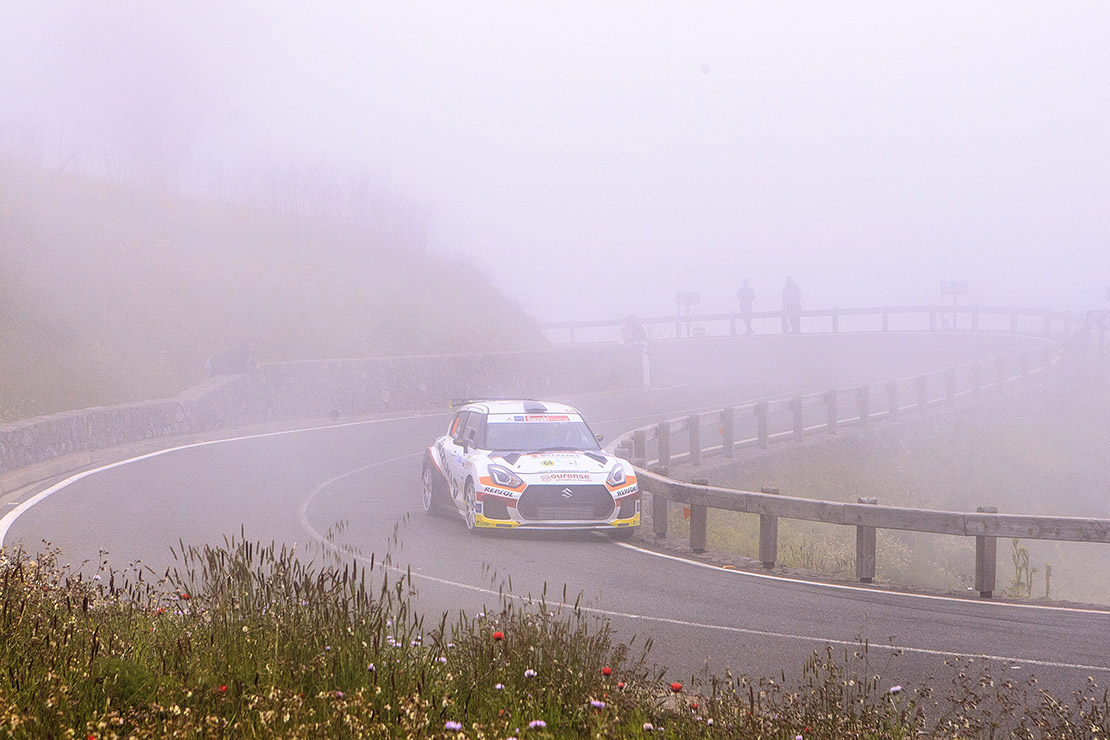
(528,465)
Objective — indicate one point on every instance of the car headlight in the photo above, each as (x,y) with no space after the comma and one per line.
(616,475)
(502,476)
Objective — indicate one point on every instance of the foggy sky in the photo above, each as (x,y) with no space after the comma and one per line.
(594,158)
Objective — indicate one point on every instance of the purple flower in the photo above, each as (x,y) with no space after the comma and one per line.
(597,704)
(452,725)
(499,686)
(537,724)
(648,727)
(529,673)
(896,689)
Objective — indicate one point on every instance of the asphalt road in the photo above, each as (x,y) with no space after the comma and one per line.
(355,486)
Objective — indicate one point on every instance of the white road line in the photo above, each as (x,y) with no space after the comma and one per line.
(9,519)
(303,518)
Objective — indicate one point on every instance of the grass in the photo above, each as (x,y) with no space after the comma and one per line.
(1034,454)
(112,292)
(249,640)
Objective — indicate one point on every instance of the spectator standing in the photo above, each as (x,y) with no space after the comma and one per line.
(747,298)
(633,331)
(792,307)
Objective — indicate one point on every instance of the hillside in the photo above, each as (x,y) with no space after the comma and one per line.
(113,292)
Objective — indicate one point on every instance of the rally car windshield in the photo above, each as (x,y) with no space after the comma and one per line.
(539,436)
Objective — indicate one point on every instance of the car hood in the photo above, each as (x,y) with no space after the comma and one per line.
(579,463)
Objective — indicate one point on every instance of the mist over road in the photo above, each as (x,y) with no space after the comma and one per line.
(356,485)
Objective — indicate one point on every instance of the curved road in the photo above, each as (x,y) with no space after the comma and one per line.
(296,486)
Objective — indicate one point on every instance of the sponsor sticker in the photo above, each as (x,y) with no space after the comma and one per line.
(544,417)
(560,477)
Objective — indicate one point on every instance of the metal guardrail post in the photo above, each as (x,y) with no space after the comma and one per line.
(664,443)
(694,425)
(892,399)
(950,387)
(659,507)
(864,399)
(986,554)
(865,547)
(728,431)
(830,411)
(923,393)
(624,450)
(762,411)
(768,535)
(799,422)
(639,448)
(698,520)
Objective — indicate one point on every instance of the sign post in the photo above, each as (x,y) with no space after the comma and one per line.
(954,288)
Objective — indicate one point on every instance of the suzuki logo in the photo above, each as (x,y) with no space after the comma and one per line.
(567,493)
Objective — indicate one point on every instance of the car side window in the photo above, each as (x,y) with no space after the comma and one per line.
(474,429)
(458,425)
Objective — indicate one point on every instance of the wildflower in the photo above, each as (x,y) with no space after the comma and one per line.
(620,684)
(648,727)
(694,705)
(161,610)
(371,668)
(607,671)
(499,635)
(442,659)
(597,704)
(895,689)
(537,724)
(709,722)
(798,737)
(529,673)
(96,577)
(223,688)
(185,595)
(327,648)
(339,694)
(499,686)
(452,725)
(676,687)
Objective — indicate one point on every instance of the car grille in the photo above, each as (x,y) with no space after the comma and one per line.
(554,503)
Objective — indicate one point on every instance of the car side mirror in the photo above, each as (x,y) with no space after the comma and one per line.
(600,437)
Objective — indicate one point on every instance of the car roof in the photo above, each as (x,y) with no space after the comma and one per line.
(507,406)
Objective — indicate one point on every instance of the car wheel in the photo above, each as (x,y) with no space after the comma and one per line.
(468,497)
(429,496)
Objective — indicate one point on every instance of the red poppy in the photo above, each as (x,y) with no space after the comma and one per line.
(607,671)
(676,687)
(694,705)
(161,610)
(185,596)
(223,688)
(620,684)
(499,635)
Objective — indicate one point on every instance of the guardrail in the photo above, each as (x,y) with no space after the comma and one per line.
(829,320)
(763,423)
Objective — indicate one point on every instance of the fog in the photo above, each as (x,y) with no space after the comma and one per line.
(595,158)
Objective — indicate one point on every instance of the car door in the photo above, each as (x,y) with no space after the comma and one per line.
(471,442)
(451,453)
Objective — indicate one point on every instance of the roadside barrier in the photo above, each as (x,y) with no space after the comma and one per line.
(655,448)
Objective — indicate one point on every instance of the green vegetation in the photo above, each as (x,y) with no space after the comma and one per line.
(247,640)
(1034,454)
(113,292)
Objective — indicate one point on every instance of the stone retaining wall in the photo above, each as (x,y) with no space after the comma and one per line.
(315,390)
